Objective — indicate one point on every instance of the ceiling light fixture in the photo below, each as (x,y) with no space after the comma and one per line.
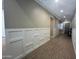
(56,0)
(61,11)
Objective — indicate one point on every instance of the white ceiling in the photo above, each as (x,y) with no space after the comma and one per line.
(61,8)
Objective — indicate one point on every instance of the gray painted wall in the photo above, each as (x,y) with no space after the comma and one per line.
(25,14)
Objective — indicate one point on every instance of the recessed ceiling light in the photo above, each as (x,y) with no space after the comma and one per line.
(61,11)
(56,0)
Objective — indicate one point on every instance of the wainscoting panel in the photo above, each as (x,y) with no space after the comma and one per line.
(28,38)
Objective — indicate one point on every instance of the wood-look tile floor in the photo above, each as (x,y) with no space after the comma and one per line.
(60,47)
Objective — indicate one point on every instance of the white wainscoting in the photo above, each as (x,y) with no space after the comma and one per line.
(22,41)
(74,38)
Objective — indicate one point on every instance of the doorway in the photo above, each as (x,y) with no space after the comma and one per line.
(51,26)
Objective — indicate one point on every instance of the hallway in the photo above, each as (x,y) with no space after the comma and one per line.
(60,47)
(29,24)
